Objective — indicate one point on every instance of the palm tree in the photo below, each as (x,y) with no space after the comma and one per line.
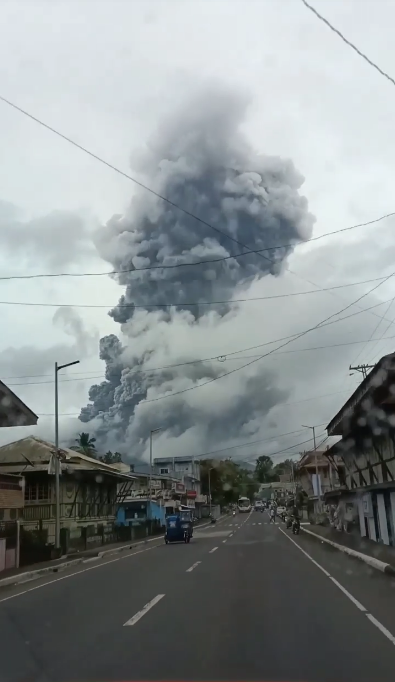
(85,444)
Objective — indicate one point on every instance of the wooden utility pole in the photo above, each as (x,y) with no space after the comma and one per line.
(362,368)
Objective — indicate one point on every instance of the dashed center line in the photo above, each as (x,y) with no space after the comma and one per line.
(189,570)
(144,610)
(214,549)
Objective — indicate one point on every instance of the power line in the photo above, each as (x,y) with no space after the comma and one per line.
(345,40)
(159,196)
(200,262)
(163,198)
(295,445)
(189,303)
(321,324)
(222,359)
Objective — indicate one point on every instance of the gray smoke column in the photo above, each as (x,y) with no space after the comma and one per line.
(200,160)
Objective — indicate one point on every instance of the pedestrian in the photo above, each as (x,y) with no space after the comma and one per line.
(272,515)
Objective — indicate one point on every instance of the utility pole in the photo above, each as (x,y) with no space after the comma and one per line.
(316,464)
(209,486)
(361,368)
(150,470)
(57,460)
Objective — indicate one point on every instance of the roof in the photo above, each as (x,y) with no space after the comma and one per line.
(376,379)
(170,460)
(34,454)
(14,412)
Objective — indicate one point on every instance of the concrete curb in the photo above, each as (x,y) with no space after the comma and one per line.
(371,561)
(37,573)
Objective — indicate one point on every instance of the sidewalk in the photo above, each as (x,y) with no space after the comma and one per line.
(379,556)
(23,574)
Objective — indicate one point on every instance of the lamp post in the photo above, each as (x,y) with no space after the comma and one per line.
(57,462)
(209,486)
(151,433)
(316,464)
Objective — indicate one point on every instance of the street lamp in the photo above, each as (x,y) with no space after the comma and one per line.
(316,462)
(150,467)
(57,462)
(209,486)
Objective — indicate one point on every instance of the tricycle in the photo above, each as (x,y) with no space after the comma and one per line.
(179,528)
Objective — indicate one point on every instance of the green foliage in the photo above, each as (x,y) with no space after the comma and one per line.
(228,480)
(111,457)
(85,444)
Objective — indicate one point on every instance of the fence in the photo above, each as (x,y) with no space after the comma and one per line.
(8,544)
(88,537)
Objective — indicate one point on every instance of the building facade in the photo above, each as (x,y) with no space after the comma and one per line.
(366,425)
(186,470)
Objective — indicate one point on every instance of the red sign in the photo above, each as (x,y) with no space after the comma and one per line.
(191,493)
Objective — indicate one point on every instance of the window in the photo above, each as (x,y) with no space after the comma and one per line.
(164,471)
(36,492)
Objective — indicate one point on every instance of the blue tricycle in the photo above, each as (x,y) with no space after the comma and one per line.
(179,527)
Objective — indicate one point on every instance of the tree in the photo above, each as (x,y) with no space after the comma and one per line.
(85,444)
(111,457)
(264,469)
(228,481)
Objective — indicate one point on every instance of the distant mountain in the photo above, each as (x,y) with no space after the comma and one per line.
(244,465)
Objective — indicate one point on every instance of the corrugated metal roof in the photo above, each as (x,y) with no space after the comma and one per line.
(35,454)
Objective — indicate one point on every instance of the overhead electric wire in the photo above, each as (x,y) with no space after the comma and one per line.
(295,445)
(222,359)
(159,196)
(200,262)
(190,303)
(163,198)
(253,442)
(350,44)
(373,332)
(321,324)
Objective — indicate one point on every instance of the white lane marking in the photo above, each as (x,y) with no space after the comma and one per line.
(84,570)
(381,627)
(328,575)
(189,570)
(356,603)
(144,610)
(346,592)
(259,524)
(223,540)
(214,549)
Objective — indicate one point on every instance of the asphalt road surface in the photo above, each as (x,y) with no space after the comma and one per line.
(245,600)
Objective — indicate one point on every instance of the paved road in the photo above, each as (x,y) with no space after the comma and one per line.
(241,602)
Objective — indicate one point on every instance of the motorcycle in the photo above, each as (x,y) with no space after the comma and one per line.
(296,526)
(288,522)
(234,513)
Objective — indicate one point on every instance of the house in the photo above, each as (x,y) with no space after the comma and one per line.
(276,490)
(90,491)
(11,508)
(330,477)
(186,469)
(366,425)
(14,412)
(150,498)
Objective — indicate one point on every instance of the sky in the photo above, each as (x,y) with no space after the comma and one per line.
(133,82)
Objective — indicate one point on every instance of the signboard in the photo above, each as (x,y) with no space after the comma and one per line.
(191,493)
(179,487)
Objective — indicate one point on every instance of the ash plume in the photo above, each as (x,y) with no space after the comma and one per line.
(200,160)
